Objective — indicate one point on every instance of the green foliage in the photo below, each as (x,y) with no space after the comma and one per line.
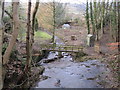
(36,24)
(22,28)
(22,34)
(8,24)
(44,35)
(66,19)
(6,19)
(13,54)
(76,20)
(80,54)
(51,14)
(102,14)
(4,46)
(59,13)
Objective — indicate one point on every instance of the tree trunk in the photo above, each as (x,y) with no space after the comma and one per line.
(92,18)
(95,18)
(118,9)
(3,10)
(11,17)
(12,42)
(110,20)
(116,20)
(87,17)
(30,33)
(102,16)
(1,78)
(33,19)
(28,38)
(54,21)
(114,24)
(107,12)
(14,34)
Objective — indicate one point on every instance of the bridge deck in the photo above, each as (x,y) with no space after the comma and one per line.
(62,48)
(65,50)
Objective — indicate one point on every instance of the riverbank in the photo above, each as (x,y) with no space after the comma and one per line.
(108,56)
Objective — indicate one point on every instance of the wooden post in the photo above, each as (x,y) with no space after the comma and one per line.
(59,54)
(59,48)
(97,47)
(78,49)
(72,48)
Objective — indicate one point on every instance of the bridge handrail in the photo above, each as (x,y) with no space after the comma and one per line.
(61,46)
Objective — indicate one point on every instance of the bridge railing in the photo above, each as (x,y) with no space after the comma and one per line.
(61,47)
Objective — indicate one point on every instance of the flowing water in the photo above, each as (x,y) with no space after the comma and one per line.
(65,73)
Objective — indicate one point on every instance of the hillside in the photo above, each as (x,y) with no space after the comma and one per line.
(75,10)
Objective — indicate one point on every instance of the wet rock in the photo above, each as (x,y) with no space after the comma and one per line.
(57,84)
(93,64)
(34,76)
(91,78)
(43,77)
(49,60)
(37,70)
(73,37)
(88,69)
(71,73)
(82,76)
(87,66)
(60,56)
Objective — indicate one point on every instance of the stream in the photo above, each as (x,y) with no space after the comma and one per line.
(66,73)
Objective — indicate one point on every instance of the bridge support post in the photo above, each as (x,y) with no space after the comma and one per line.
(60,54)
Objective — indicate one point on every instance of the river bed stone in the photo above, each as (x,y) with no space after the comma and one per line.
(73,75)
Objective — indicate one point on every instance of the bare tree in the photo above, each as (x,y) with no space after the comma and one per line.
(54,22)
(31,41)
(102,15)
(30,33)
(1,78)
(28,61)
(12,42)
(87,17)
(33,19)
(14,34)
(118,9)
(92,17)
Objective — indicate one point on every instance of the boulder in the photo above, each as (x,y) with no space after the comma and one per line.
(73,37)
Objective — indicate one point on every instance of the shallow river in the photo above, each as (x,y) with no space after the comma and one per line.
(65,73)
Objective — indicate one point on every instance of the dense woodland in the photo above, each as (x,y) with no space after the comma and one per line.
(101,14)
(19,26)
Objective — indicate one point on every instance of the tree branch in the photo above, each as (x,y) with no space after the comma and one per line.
(8,14)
